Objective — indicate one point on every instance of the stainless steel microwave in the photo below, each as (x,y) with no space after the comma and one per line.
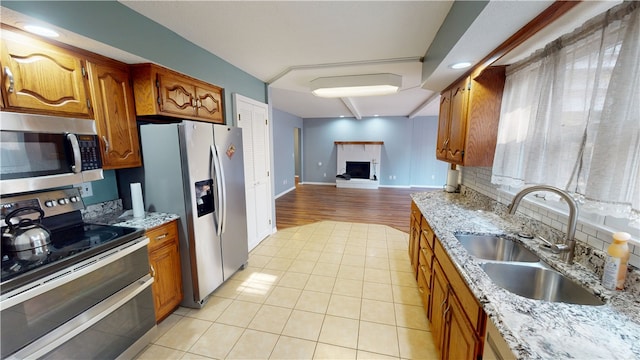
(41,152)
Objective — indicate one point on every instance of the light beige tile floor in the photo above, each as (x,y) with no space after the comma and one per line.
(329,290)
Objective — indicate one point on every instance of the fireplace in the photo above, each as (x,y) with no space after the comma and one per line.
(358,164)
(359,169)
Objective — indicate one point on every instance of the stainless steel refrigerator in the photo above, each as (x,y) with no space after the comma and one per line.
(196,170)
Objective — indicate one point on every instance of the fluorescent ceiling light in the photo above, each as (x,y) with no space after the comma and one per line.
(40,30)
(356,85)
(460,65)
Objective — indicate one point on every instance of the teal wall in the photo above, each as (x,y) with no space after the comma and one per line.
(103,190)
(283,150)
(114,24)
(408,152)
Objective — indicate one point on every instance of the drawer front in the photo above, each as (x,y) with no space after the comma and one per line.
(427,233)
(425,269)
(415,212)
(425,291)
(426,257)
(469,303)
(162,234)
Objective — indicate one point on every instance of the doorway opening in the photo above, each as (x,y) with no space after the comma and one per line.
(297,154)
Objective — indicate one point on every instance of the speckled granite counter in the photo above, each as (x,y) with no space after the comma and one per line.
(536,329)
(111,213)
(150,221)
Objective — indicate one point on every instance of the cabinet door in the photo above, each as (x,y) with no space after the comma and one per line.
(462,341)
(167,284)
(164,257)
(423,288)
(115,115)
(414,244)
(443,125)
(438,306)
(38,77)
(457,125)
(209,101)
(176,96)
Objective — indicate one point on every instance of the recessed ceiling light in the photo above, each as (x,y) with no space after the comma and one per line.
(341,116)
(460,65)
(40,30)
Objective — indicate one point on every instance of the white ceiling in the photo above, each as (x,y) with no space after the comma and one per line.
(289,43)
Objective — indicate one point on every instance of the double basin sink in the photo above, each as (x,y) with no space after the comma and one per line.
(515,268)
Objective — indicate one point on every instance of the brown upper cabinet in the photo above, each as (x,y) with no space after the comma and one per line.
(468,119)
(41,78)
(46,77)
(164,92)
(115,114)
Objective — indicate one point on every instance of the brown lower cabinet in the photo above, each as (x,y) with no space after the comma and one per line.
(164,258)
(458,322)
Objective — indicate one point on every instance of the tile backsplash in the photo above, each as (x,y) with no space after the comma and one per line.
(594,236)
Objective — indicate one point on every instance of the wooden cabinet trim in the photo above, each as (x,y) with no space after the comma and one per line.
(162,92)
(471,307)
(159,235)
(164,257)
(114,113)
(462,342)
(64,91)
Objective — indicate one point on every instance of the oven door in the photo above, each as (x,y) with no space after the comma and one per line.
(93,309)
(41,152)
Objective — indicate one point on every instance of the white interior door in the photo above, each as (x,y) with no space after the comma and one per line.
(251,116)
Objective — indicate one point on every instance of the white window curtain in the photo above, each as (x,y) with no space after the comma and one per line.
(570,116)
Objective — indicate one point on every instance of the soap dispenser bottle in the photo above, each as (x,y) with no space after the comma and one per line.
(615,266)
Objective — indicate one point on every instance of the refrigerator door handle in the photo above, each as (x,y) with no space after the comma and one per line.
(216,167)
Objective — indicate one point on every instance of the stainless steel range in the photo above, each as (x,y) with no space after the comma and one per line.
(84,292)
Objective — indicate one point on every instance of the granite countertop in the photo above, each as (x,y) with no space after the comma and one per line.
(116,216)
(535,329)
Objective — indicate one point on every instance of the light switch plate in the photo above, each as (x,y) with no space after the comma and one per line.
(85,189)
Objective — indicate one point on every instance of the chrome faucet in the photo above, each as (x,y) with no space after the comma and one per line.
(568,248)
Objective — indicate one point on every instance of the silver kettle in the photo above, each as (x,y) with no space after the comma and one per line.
(27,239)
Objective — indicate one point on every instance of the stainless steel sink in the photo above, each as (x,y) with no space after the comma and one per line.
(536,282)
(492,247)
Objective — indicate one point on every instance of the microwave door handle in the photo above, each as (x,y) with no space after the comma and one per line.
(215,169)
(77,159)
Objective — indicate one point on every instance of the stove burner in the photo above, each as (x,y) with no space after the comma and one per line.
(68,246)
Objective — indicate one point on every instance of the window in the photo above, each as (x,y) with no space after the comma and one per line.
(570,116)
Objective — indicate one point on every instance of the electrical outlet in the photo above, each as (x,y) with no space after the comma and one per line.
(85,189)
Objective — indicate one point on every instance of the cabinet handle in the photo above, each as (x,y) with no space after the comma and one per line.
(199,103)
(194,103)
(421,289)
(106,144)
(446,142)
(160,237)
(9,74)
(444,314)
(153,271)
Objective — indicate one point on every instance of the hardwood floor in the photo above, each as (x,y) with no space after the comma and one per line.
(311,203)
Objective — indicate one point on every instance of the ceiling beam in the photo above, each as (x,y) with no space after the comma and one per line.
(342,64)
(461,15)
(352,107)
